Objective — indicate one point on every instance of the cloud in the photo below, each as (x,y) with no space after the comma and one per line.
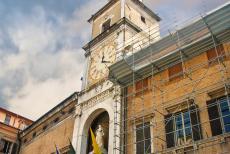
(81,15)
(47,63)
(41,59)
(176,13)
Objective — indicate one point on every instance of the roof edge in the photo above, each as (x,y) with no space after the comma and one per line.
(15,114)
(102,10)
(100,37)
(148,10)
(50,111)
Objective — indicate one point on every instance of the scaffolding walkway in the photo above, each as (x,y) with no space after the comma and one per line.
(162,113)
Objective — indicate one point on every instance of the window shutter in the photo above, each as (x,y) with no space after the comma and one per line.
(175,71)
(195,120)
(214,118)
(169,131)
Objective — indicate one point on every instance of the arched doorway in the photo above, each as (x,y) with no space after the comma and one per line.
(84,122)
(101,120)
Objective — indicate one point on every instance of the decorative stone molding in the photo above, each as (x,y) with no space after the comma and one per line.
(117,94)
(97,99)
(78,111)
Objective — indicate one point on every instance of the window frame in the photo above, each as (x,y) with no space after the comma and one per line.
(25,140)
(56,120)
(151,134)
(7,146)
(195,126)
(104,26)
(216,117)
(143,19)
(183,129)
(44,128)
(34,134)
(71,110)
(7,119)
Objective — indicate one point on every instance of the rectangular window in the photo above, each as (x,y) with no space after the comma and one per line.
(25,140)
(212,54)
(56,120)
(7,119)
(219,115)
(5,146)
(175,71)
(15,148)
(143,138)
(71,110)
(143,19)
(34,134)
(44,127)
(182,127)
(106,25)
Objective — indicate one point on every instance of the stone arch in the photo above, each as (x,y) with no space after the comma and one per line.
(86,120)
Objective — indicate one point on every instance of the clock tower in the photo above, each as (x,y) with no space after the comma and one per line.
(112,26)
(117,28)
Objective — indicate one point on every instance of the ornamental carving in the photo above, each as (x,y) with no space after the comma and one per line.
(97,99)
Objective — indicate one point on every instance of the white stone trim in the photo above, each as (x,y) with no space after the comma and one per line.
(83,123)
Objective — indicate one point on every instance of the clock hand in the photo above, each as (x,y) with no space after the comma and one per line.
(103,57)
(104,61)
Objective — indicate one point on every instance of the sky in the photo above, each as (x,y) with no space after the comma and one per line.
(41,55)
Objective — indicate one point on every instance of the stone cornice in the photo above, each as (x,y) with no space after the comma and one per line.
(102,10)
(97,99)
(104,34)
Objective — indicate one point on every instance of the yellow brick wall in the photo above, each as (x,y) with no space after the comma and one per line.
(45,142)
(205,78)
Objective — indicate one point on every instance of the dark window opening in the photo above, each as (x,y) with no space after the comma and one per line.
(63,112)
(7,119)
(106,25)
(71,110)
(219,115)
(34,134)
(143,138)
(25,140)
(143,19)
(5,146)
(182,127)
(15,148)
(56,120)
(44,127)
(175,71)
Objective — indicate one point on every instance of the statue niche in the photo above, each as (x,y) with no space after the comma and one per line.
(100,128)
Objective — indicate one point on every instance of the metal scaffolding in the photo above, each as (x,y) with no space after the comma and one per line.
(151,110)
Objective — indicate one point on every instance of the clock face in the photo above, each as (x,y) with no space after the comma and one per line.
(100,60)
